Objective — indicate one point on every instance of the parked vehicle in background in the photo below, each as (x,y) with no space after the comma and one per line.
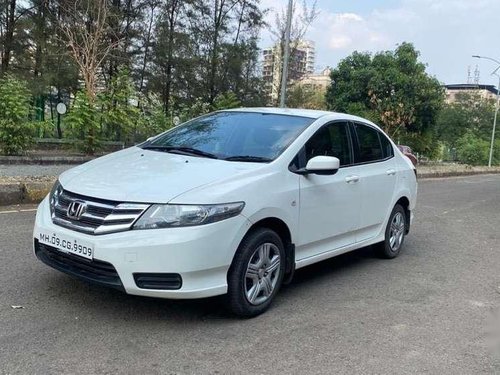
(229,203)
(407,151)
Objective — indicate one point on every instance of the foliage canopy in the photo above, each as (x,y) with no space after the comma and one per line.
(390,88)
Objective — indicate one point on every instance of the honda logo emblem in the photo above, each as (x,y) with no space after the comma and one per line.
(76,209)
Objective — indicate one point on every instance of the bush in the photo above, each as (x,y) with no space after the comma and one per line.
(152,118)
(425,144)
(83,123)
(16,131)
(472,150)
(119,108)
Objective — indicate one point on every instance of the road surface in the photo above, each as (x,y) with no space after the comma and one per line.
(434,309)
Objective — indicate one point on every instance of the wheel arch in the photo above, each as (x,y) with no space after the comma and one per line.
(282,229)
(405,203)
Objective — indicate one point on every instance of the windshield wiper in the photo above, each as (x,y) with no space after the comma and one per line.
(181,150)
(249,158)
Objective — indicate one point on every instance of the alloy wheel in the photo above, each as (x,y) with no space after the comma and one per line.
(263,272)
(397,231)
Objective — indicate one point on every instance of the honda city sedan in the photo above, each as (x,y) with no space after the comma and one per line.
(230,203)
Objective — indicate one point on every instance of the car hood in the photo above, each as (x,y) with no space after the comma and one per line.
(145,176)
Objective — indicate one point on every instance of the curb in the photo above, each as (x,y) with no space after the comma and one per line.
(24,192)
(431,175)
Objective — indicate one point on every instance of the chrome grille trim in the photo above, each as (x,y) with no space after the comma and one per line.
(101,216)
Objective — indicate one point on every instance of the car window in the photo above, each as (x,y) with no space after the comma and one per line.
(236,135)
(386,146)
(370,148)
(330,140)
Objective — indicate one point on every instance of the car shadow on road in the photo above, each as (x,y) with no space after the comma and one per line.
(109,304)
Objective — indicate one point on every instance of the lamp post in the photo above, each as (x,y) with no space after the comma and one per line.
(497,107)
(284,73)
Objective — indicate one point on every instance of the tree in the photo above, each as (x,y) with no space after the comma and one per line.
(300,96)
(120,117)
(391,88)
(84,123)
(16,131)
(9,19)
(86,25)
(191,56)
(468,113)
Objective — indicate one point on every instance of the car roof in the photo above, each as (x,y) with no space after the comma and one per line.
(310,113)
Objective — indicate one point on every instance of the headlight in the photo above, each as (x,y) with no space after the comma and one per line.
(181,215)
(54,195)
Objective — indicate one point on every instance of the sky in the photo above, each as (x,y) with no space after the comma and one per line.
(446,32)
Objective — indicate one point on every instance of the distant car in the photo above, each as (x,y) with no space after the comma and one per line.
(407,151)
(229,203)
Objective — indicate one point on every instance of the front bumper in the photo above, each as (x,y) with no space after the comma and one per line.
(201,255)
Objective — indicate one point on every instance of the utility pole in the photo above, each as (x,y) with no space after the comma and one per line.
(497,107)
(286,57)
(495,120)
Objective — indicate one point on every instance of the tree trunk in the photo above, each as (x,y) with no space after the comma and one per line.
(171,30)
(146,48)
(9,36)
(41,36)
(215,47)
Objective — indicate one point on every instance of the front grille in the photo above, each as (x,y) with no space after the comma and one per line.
(100,216)
(94,271)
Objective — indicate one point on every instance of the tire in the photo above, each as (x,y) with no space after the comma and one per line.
(394,234)
(255,277)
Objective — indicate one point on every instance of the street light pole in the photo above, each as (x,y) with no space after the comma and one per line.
(497,106)
(286,57)
(495,120)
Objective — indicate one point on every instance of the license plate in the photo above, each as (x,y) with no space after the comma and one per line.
(67,244)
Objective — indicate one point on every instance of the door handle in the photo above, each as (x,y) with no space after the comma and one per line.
(391,172)
(352,179)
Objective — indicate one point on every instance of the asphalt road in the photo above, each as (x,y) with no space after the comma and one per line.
(433,310)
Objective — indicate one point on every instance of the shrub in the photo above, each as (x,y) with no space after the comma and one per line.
(472,149)
(152,118)
(16,131)
(120,112)
(83,123)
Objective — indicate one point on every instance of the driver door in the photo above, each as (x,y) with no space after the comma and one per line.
(329,204)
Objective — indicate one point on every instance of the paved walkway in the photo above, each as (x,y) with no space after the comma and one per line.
(14,170)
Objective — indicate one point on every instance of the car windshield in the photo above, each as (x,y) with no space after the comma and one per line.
(233,136)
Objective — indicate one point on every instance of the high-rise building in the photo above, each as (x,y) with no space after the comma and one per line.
(301,63)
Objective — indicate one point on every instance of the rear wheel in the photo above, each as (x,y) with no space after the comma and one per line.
(256,273)
(394,233)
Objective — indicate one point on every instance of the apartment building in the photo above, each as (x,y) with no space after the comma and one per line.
(301,64)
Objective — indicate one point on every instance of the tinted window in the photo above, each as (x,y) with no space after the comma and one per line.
(234,134)
(370,148)
(330,140)
(386,146)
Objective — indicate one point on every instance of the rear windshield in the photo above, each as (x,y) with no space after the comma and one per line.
(239,136)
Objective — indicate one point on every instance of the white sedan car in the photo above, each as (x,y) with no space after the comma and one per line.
(229,203)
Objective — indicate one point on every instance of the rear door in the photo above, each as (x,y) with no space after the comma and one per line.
(376,166)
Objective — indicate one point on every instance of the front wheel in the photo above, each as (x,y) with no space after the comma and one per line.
(256,273)
(394,234)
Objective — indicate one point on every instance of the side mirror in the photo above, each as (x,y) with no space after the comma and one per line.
(322,165)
